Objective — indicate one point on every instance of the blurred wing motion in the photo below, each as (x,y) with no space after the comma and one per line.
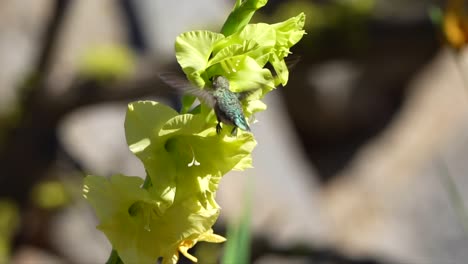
(183,86)
(291,61)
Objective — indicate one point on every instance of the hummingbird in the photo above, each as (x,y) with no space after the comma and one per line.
(226,104)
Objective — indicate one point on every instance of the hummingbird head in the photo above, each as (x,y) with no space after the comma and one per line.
(220,81)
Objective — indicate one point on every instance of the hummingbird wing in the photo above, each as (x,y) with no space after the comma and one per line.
(291,61)
(183,86)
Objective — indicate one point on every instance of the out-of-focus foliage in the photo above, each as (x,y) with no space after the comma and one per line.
(346,19)
(9,220)
(107,62)
(10,118)
(50,195)
(436,15)
(237,249)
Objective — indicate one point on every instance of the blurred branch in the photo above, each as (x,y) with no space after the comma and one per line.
(87,92)
(30,144)
(136,37)
(34,85)
(34,141)
(29,140)
(50,37)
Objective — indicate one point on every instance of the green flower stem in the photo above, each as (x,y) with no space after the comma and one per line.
(241,15)
(147,184)
(114,258)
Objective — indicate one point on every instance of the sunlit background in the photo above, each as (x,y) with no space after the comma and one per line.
(362,157)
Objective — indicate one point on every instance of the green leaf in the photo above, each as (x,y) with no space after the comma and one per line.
(187,102)
(107,62)
(9,222)
(114,258)
(241,14)
(436,15)
(50,194)
(237,249)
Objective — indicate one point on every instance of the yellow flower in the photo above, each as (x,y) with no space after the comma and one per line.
(455,24)
(137,229)
(185,160)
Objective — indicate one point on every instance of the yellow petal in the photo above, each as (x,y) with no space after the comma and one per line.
(210,237)
(185,246)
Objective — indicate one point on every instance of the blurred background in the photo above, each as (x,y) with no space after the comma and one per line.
(362,157)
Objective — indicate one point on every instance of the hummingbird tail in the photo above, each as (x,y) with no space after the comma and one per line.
(242,124)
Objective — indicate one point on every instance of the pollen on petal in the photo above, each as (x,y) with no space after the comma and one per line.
(194,161)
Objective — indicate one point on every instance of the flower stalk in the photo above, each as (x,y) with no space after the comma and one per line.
(174,208)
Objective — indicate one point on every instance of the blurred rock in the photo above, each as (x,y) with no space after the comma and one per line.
(284,193)
(281,260)
(400,11)
(89,24)
(30,255)
(95,137)
(390,199)
(20,31)
(75,235)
